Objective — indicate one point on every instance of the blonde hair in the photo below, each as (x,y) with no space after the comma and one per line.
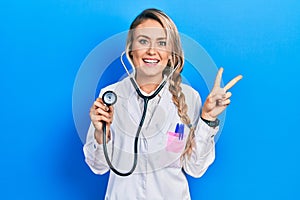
(177,58)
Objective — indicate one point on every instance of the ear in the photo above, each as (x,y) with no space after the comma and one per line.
(170,58)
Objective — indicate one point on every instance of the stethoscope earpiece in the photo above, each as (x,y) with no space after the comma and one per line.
(109,98)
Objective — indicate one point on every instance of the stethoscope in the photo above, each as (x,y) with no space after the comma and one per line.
(110,98)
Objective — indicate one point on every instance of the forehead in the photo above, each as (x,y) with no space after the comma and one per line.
(150,28)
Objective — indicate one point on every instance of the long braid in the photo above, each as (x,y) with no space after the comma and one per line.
(179,100)
(173,39)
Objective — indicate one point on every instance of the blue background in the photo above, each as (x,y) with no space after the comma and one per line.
(43,43)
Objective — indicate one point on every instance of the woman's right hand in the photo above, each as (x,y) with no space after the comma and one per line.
(100,113)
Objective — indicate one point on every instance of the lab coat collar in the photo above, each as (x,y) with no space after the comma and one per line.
(127,91)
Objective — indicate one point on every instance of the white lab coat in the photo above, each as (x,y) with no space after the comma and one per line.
(159,173)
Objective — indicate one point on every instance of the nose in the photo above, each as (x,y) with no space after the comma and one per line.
(151,49)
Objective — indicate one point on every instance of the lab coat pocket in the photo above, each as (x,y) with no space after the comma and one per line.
(174,144)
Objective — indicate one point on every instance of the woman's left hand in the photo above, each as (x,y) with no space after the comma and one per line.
(218,99)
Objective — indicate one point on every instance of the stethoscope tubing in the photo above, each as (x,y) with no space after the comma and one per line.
(136,139)
(146,100)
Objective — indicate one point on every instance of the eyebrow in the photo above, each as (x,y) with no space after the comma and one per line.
(145,36)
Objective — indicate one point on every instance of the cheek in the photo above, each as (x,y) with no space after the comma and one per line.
(136,58)
(165,57)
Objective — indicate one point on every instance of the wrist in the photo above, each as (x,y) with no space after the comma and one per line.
(212,123)
(98,136)
(207,117)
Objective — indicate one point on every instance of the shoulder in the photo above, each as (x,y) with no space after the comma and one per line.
(189,92)
(193,101)
(122,85)
(192,96)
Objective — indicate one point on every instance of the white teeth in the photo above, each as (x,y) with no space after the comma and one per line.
(150,61)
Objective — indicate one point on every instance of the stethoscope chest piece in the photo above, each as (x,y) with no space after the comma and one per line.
(109,98)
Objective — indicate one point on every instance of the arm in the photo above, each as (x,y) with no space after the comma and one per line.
(203,152)
(93,148)
(93,152)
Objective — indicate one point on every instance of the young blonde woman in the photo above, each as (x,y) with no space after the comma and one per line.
(178,132)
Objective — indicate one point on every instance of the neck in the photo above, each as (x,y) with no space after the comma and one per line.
(148,88)
(148,84)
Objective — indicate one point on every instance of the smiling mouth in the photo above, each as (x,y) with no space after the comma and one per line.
(150,61)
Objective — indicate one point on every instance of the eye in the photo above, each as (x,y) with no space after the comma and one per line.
(143,41)
(162,43)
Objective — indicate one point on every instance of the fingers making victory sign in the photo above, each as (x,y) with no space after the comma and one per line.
(219,98)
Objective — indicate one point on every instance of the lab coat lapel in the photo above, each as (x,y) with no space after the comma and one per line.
(134,108)
(128,101)
(169,108)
